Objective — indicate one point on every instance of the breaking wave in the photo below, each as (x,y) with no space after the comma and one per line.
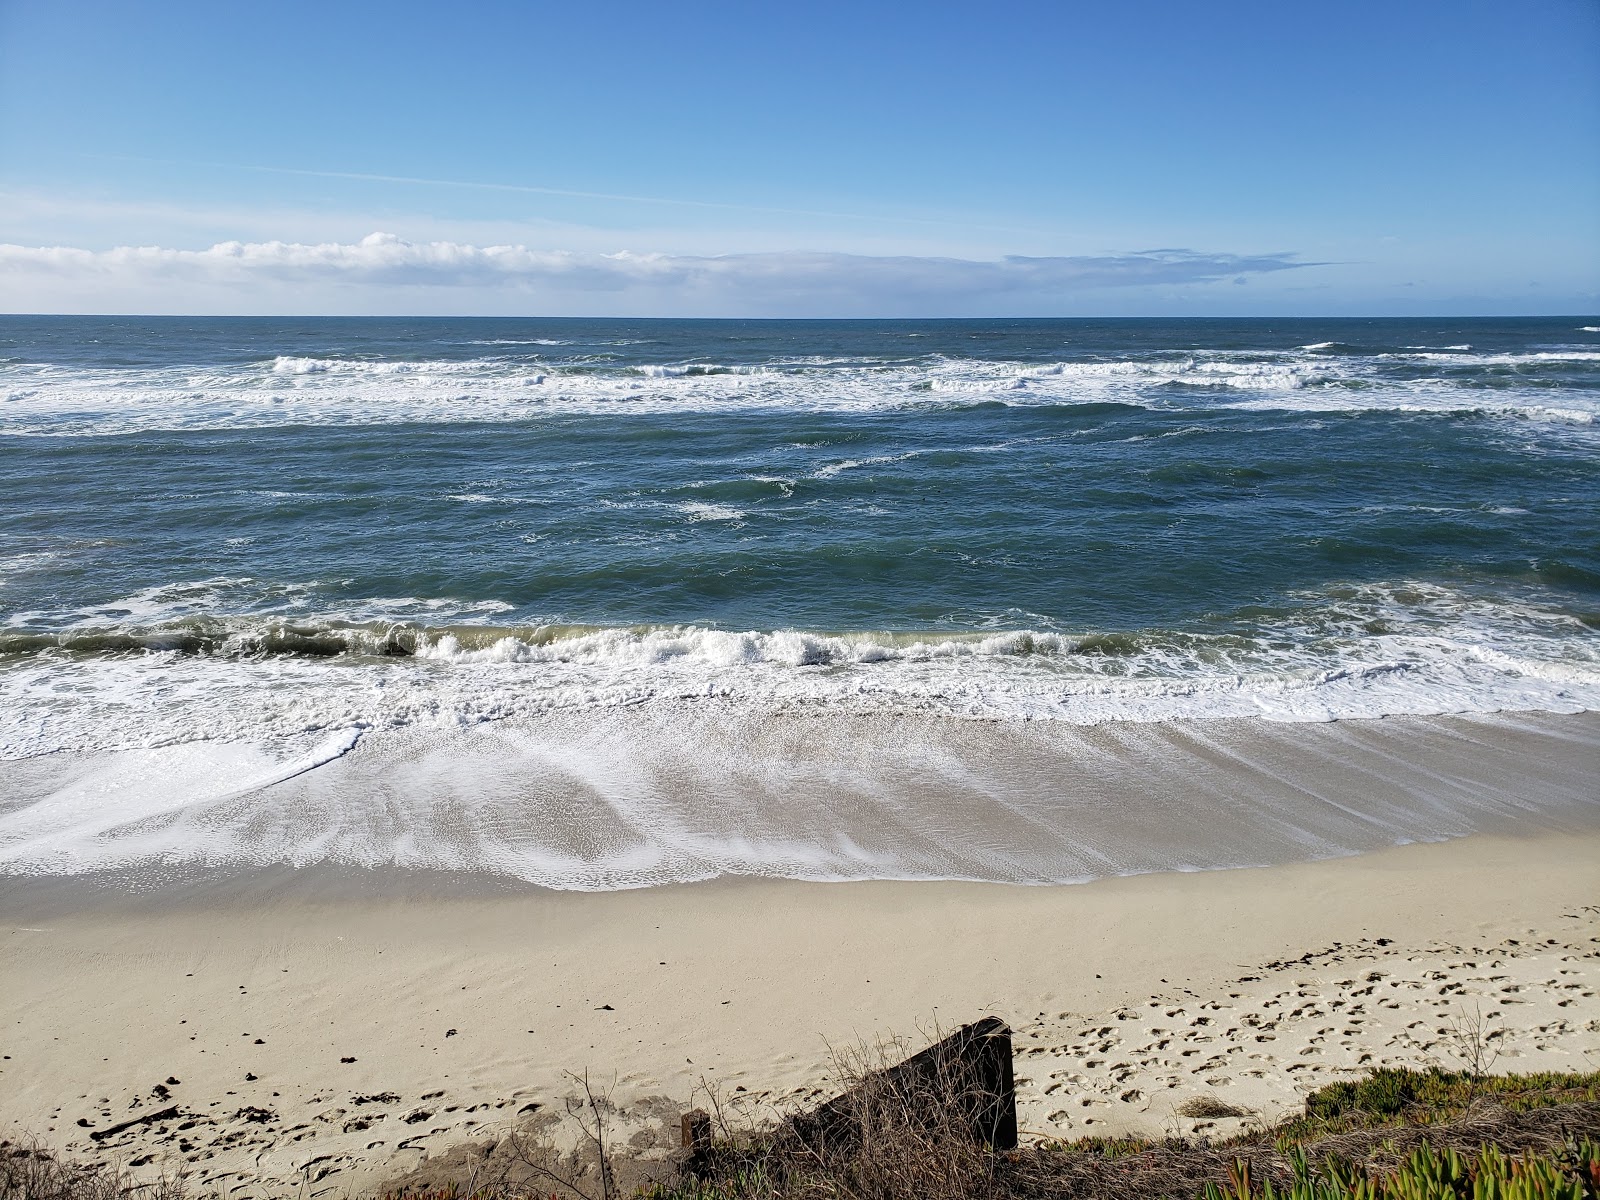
(1359,652)
(561,379)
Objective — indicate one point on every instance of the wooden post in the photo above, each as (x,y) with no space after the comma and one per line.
(697,1131)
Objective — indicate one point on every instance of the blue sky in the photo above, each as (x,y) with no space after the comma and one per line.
(821,159)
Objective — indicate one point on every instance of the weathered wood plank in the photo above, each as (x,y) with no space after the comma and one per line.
(967,1078)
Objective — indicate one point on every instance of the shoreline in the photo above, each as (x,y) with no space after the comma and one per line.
(1128,996)
(674,793)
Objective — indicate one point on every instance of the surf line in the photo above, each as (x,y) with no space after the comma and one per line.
(51,826)
(334,748)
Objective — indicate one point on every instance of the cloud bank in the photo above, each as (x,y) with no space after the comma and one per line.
(386,273)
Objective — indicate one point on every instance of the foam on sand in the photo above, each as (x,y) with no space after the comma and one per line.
(118,796)
(653,794)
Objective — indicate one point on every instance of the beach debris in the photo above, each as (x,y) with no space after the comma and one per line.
(697,1133)
(100,1135)
(969,1072)
(1210,1108)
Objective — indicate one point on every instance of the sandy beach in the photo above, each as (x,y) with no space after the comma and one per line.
(584,563)
(307,1031)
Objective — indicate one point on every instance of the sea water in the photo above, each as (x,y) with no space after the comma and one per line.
(257,542)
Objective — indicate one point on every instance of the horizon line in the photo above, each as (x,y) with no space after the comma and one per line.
(291,316)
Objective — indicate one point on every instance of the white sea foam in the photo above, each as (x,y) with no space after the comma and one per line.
(1193,371)
(519,342)
(1438,652)
(1549,412)
(1434,400)
(348,391)
(12,565)
(286,365)
(829,470)
(245,597)
(681,791)
(691,370)
(1527,358)
(623,757)
(697,510)
(140,786)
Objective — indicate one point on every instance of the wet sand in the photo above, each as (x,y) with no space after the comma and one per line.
(682,792)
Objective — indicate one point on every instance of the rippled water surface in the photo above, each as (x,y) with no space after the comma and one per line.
(241,527)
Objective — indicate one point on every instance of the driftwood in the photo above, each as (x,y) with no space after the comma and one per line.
(965,1080)
(959,1087)
(100,1135)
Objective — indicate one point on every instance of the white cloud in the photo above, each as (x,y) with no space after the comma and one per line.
(385,273)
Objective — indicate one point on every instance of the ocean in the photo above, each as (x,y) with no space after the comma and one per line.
(237,555)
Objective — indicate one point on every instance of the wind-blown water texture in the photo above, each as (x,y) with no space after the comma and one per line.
(247,528)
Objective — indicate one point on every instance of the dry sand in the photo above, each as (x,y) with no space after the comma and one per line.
(309,1035)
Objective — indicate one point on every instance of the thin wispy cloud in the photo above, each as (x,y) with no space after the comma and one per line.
(753,284)
(527,189)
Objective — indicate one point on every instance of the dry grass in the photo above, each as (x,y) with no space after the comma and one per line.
(1209,1108)
(920,1149)
(890,1135)
(525,1163)
(31,1172)
(900,1137)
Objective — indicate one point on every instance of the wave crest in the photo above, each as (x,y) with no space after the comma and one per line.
(1410,648)
(325,390)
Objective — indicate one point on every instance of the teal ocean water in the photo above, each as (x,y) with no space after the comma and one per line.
(1078,519)
(223,529)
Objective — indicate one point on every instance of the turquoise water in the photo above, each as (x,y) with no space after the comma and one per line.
(227,526)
